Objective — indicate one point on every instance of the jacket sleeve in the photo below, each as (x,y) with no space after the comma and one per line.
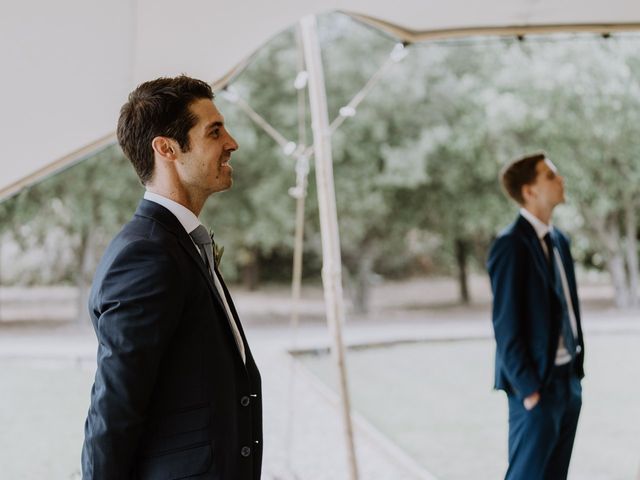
(507,271)
(137,306)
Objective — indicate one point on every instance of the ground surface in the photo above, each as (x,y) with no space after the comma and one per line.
(422,411)
(433,399)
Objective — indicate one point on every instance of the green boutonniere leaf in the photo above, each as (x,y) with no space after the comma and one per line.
(217,254)
(217,250)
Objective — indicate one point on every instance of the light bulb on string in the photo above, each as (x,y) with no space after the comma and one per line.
(289,148)
(301,80)
(398,52)
(347,111)
(229,95)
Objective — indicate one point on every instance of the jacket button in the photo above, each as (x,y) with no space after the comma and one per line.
(245,401)
(245,451)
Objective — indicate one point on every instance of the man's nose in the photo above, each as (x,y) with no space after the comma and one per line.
(232,145)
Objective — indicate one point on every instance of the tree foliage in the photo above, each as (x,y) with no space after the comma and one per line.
(416,167)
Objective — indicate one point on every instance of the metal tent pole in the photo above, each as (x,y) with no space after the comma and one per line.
(332,265)
(299,192)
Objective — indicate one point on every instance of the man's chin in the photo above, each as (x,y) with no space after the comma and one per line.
(226,185)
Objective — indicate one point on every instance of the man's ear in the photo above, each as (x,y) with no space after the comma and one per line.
(165,147)
(528,192)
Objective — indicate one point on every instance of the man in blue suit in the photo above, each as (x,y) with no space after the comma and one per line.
(176,392)
(536,321)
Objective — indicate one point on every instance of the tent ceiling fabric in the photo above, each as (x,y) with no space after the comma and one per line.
(68,65)
(66,68)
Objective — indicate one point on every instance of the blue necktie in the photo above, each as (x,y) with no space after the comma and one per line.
(567,332)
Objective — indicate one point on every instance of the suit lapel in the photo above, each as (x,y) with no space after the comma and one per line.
(529,235)
(558,281)
(232,307)
(539,257)
(234,319)
(567,265)
(160,214)
(168,220)
(193,252)
(535,247)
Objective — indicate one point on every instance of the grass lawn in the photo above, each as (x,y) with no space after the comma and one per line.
(434,400)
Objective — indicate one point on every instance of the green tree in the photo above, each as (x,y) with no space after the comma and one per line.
(255,218)
(82,207)
(584,101)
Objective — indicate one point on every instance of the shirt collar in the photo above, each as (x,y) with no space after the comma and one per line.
(538,225)
(186,217)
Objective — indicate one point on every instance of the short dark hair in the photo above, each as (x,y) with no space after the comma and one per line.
(519,173)
(158,108)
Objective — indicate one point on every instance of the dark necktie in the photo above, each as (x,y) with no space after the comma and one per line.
(567,331)
(203,240)
(550,255)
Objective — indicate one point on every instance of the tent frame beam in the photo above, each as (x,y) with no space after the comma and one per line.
(415,36)
(405,35)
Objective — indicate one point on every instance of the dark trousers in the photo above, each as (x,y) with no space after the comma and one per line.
(541,439)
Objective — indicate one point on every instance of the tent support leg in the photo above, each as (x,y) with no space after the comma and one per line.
(332,264)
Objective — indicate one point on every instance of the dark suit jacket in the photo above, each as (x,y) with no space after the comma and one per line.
(172,397)
(527,309)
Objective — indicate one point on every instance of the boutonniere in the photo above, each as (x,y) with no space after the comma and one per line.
(217,250)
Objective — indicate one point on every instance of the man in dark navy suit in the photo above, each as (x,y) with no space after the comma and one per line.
(536,321)
(177,393)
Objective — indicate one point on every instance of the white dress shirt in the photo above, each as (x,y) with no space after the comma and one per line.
(190,222)
(562,356)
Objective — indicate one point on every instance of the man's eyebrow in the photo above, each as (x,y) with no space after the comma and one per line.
(213,125)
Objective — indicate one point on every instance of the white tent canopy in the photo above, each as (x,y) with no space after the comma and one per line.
(68,65)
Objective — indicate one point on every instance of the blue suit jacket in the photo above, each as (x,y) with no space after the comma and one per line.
(527,311)
(172,397)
